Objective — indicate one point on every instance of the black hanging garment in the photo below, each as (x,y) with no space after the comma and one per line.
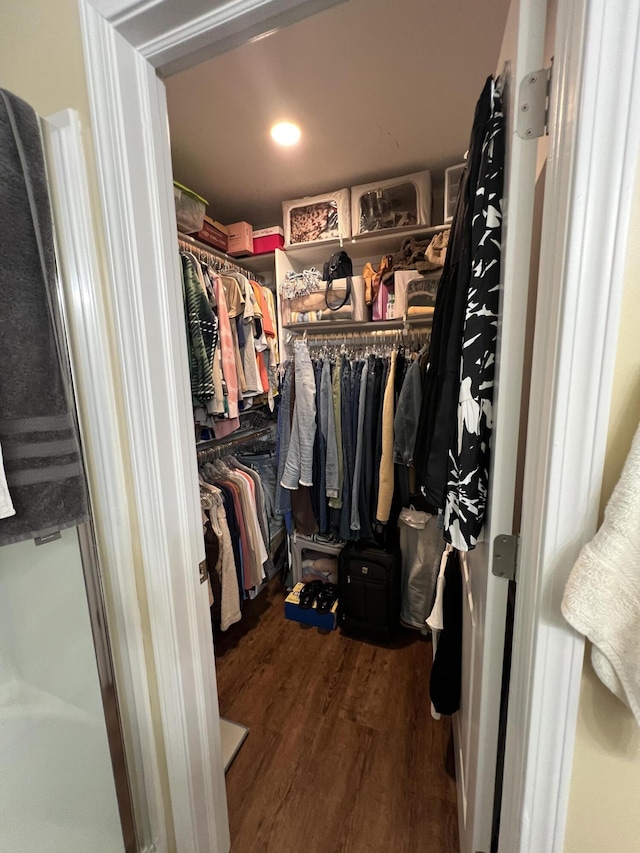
(446,674)
(38,432)
(438,415)
(470,448)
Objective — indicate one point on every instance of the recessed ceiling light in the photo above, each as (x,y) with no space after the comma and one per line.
(285,133)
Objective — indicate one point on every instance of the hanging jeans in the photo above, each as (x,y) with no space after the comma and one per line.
(348,452)
(283,497)
(298,467)
(421,546)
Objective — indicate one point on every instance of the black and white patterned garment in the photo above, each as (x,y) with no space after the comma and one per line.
(469,457)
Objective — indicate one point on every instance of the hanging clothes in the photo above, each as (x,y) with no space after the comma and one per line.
(421,550)
(202,331)
(470,449)
(335,444)
(438,415)
(232,334)
(235,502)
(445,683)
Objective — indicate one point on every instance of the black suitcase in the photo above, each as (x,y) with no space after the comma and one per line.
(369,591)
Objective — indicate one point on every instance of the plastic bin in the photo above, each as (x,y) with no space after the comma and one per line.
(190,209)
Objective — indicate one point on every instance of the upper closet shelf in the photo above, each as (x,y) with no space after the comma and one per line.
(257,264)
(374,243)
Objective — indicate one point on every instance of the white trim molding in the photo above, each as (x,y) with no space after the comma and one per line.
(595,138)
(130,129)
(85,314)
(178,35)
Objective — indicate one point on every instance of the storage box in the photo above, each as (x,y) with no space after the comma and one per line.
(293,611)
(190,208)
(317,218)
(213,234)
(268,240)
(394,203)
(452,178)
(240,239)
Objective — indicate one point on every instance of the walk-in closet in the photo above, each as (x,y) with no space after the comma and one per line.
(338,187)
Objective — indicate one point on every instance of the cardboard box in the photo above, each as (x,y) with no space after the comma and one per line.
(293,611)
(213,234)
(240,239)
(268,240)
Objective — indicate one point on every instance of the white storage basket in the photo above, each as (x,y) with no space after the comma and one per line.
(452,178)
(394,203)
(317,218)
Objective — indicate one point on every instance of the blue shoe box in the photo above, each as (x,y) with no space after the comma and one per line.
(292,610)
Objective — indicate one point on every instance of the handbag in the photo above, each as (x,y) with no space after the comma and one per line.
(349,289)
(339,265)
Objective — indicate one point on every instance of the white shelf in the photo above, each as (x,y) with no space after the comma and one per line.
(257,264)
(371,245)
(261,264)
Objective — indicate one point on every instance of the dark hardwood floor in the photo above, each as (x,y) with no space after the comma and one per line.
(342,754)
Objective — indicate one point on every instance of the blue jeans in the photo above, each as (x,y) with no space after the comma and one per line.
(266,466)
(347,449)
(283,497)
(298,467)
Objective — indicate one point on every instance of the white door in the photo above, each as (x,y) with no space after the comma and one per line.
(485,596)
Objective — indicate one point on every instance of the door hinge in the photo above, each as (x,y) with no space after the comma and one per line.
(533,104)
(202,567)
(505,556)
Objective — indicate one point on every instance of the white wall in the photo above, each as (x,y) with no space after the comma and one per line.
(604,804)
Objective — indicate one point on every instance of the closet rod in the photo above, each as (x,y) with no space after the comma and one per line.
(215,258)
(370,339)
(219,445)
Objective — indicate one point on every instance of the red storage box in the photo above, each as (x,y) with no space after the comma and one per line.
(213,234)
(268,240)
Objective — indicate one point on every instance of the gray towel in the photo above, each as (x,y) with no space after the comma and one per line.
(38,430)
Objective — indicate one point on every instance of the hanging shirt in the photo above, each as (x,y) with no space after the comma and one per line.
(227,347)
(202,330)
(235,306)
(385,489)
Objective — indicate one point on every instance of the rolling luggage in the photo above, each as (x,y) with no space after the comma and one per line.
(369,591)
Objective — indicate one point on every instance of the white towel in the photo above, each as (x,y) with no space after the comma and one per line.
(602,598)
(6,504)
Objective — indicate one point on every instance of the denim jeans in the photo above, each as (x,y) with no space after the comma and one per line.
(283,437)
(319,490)
(265,465)
(347,449)
(298,467)
(336,396)
(328,427)
(359,436)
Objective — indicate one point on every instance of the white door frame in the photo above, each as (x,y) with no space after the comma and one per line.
(590,181)
(593,163)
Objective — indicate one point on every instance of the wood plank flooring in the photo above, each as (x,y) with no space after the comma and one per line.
(342,754)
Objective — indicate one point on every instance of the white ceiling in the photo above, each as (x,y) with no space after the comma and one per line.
(380,88)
